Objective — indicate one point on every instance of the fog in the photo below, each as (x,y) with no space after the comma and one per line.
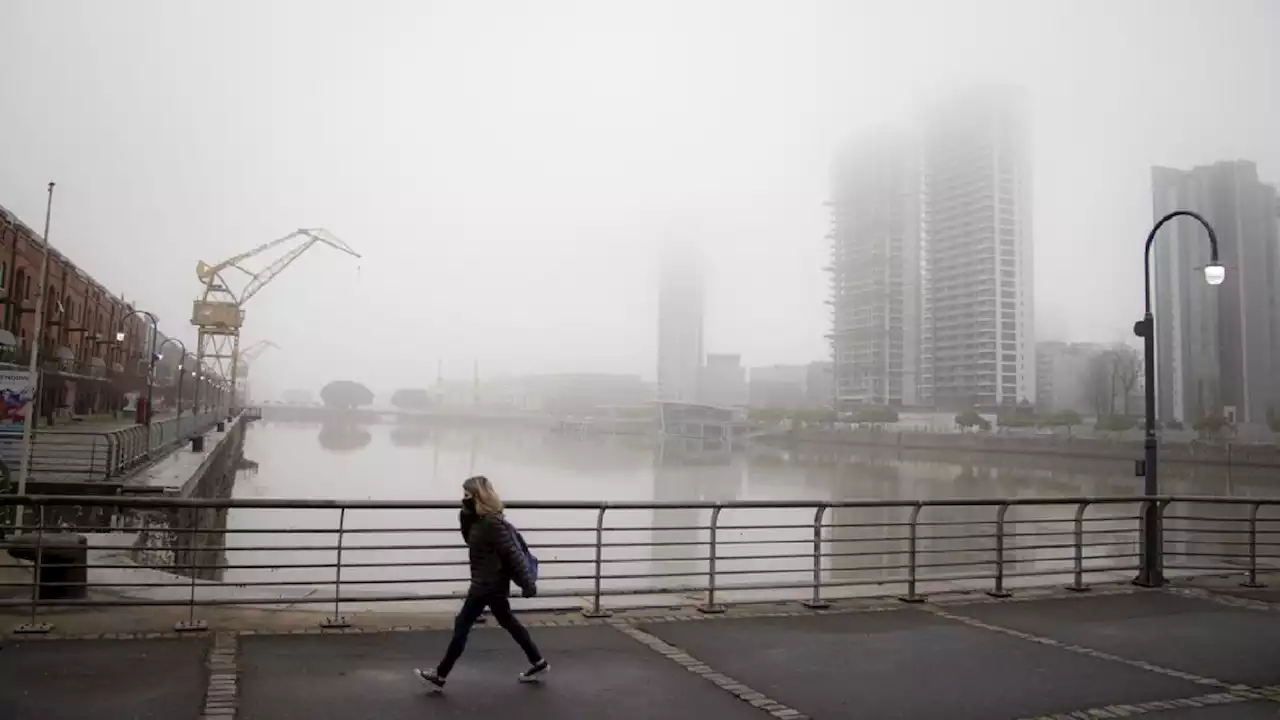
(510,171)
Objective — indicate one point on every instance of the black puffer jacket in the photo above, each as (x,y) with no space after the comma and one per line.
(496,557)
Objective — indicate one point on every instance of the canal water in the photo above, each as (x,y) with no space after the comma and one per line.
(420,553)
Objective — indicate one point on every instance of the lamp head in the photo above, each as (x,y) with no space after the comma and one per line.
(1215,273)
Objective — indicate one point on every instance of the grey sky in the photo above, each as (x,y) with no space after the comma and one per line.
(510,169)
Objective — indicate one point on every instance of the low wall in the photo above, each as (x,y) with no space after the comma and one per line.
(188,540)
(1258,455)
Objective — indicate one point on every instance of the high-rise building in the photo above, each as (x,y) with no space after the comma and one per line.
(680,339)
(978,332)
(875,272)
(724,381)
(1217,348)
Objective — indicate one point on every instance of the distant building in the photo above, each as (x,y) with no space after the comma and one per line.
(875,272)
(680,318)
(568,394)
(819,385)
(978,333)
(1218,348)
(1064,378)
(791,386)
(777,386)
(298,397)
(724,381)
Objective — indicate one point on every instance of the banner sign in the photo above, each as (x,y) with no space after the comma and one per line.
(17,390)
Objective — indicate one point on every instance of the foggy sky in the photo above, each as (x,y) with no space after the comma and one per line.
(510,169)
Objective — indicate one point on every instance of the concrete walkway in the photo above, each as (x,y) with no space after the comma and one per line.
(1175,654)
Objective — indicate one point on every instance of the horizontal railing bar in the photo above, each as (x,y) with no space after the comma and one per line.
(566,593)
(555,562)
(335,504)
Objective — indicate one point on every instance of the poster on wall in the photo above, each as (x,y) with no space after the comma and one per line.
(17,390)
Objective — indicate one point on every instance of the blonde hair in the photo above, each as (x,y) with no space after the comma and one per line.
(481,490)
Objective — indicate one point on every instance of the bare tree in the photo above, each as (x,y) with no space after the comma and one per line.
(1101,384)
(1113,373)
(1126,368)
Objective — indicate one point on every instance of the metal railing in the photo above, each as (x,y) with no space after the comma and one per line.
(88,455)
(60,455)
(353,555)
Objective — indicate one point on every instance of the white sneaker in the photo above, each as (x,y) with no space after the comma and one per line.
(430,678)
(535,672)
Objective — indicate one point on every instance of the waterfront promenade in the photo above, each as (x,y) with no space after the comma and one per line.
(1200,651)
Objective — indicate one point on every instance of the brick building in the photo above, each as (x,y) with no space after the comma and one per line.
(84,369)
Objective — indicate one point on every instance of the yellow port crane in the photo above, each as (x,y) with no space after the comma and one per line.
(244,362)
(245,357)
(218,313)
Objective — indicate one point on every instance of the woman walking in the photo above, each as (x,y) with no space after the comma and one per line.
(496,561)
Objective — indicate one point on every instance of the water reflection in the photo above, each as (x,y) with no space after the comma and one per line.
(410,436)
(343,437)
(860,545)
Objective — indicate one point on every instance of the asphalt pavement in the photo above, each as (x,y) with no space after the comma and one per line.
(102,679)
(1105,655)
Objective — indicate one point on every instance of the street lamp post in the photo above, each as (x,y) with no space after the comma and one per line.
(1151,572)
(195,404)
(181,359)
(154,352)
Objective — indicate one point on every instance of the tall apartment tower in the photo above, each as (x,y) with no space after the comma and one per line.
(875,272)
(680,318)
(978,331)
(1217,348)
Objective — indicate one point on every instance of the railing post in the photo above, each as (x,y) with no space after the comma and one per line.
(1252,581)
(595,611)
(710,606)
(191,623)
(338,620)
(1077,583)
(998,591)
(113,454)
(32,627)
(816,602)
(912,538)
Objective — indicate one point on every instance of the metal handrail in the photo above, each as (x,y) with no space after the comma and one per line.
(726,557)
(335,504)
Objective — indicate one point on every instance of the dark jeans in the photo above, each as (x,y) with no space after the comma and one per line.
(472,607)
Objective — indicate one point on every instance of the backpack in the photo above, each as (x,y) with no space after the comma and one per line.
(530,560)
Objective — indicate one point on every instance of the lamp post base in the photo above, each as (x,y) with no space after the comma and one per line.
(1150,579)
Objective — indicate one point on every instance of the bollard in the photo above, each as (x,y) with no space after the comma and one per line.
(197,443)
(222,426)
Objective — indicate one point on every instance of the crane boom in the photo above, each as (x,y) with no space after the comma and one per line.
(218,313)
(211,275)
(251,353)
(246,357)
